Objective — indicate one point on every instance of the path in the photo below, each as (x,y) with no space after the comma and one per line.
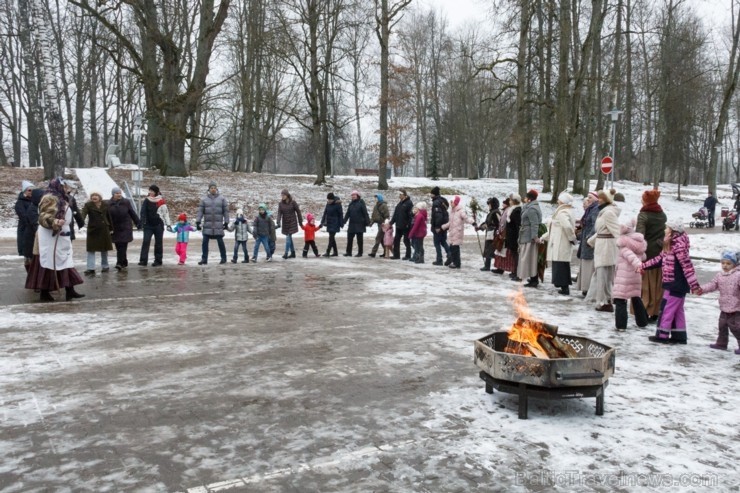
(96,180)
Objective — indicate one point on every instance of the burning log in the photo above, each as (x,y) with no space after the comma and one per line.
(536,351)
(547,344)
(566,349)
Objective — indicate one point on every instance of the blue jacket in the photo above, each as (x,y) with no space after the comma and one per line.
(183,232)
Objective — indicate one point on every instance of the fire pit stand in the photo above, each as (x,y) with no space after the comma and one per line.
(525,391)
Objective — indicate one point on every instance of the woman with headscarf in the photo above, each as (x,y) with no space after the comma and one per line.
(123,217)
(604,242)
(651,222)
(28,221)
(52,267)
(560,238)
(585,252)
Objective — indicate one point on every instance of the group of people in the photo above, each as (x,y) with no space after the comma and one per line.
(640,265)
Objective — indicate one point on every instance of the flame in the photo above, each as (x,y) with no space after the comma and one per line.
(526,329)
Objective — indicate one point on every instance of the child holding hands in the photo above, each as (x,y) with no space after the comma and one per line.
(387,238)
(727,282)
(309,235)
(182,230)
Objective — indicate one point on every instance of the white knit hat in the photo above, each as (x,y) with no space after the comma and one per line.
(565,198)
(675,225)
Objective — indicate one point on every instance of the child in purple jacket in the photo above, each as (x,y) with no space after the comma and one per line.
(679,278)
(727,282)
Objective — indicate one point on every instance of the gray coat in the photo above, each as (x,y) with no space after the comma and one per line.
(531,219)
(213,213)
(242,230)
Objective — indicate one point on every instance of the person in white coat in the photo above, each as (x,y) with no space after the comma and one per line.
(560,238)
(52,267)
(604,241)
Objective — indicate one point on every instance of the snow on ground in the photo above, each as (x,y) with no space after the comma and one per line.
(95,180)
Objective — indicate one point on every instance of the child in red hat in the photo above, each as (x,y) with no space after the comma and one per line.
(182,229)
(309,235)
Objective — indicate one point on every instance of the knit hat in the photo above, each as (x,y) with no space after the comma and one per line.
(593,195)
(516,197)
(329,196)
(455,200)
(155,189)
(421,205)
(532,194)
(565,198)
(619,197)
(355,192)
(676,225)
(731,256)
(263,207)
(182,217)
(240,212)
(115,190)
(379,196)
(628,227)
(435,191)
(651,196)
(212,184)
(402,191)
(607,196)
(309,217)
(285,191)
(25,185)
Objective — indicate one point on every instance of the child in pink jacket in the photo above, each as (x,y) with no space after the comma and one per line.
(456,230)
(387,238)
(627,281)
(727,282)
(418,232)
(679,279)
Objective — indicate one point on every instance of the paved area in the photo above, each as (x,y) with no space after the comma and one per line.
(311,374)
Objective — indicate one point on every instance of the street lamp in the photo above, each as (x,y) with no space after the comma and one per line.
(614,113)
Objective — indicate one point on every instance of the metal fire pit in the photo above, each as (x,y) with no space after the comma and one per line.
(560,378)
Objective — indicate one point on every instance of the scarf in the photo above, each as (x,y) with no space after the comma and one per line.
(655,207)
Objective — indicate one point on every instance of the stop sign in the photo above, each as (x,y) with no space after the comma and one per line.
(607,165)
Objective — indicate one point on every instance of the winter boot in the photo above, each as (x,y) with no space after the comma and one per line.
(72,294)
(46,295)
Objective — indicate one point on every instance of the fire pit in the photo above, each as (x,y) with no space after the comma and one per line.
(533,360)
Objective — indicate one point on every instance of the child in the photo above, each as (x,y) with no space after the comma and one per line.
(387,238)
(309,230)
(727,283)
(182,230)
(418,232)
(261,229)
(242,232)
(679,279)
(627,280)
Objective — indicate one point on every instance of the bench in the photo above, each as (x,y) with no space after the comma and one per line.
(366,172)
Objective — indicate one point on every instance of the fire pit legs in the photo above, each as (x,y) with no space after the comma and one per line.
(524,391)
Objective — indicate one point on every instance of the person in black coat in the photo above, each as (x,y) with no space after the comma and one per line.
(402,217)
(26,207)
(440,216)
(512,231)
(358,220)
(332,220)
(123,218)
(711,203)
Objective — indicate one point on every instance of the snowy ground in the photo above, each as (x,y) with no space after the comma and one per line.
(343,374)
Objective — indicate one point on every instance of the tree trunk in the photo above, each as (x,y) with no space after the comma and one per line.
(520,138)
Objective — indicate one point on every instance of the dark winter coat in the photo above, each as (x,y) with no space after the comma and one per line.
(99,227)
(213,214)
(123,217)
(380,213)
(332,217)
(76,215)
(154,212)
(289,216)
(588,225)
(440,212)
(262,225)
(531,219)
(403,216)
(651,223)
(710,203)
(513,224)
(356,218)
(28,222)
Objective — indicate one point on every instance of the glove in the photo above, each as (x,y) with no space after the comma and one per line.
(138,227)
(169,229)
(226,225)
(197,226)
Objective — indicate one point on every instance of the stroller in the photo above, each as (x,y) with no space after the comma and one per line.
(729,222)
(701,219)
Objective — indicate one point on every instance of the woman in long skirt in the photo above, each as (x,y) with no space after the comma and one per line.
(560,237)
(585,251)
(604,241)
(52,267)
